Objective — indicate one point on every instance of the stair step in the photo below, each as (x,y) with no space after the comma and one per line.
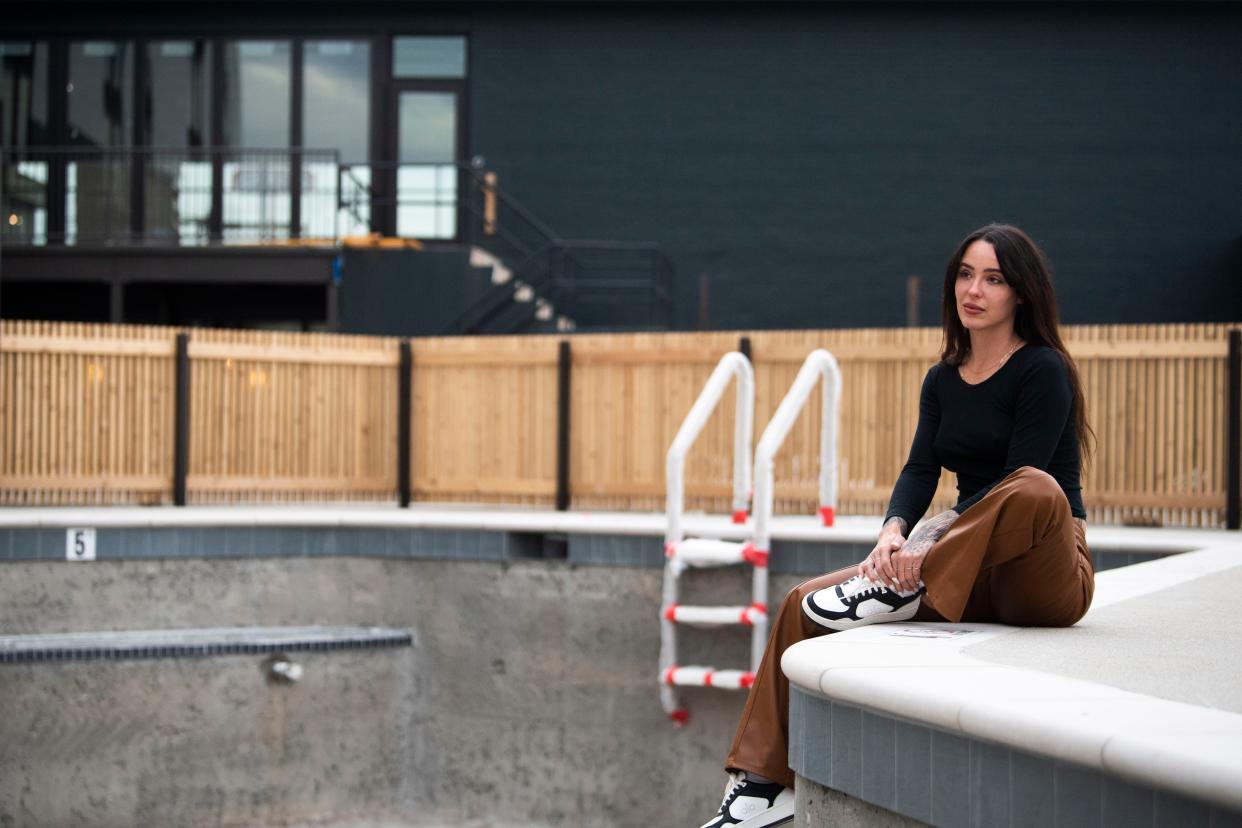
(715,616)
(481,258)
(702,552)
(708,677)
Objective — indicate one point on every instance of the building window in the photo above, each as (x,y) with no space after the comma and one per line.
(178,87)
(426,172)
(176,122)
(100,121)
(23,98)
(100,93)
(136,125)
(256,192)
(256,95)
(429,83)
(429,57)
(336,106)
(23,123)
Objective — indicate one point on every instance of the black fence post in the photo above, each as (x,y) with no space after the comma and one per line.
(404,365)
(562,426)
(743,345)
(181,417)
(1233,435)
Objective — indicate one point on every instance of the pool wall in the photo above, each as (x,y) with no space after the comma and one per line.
(527,698)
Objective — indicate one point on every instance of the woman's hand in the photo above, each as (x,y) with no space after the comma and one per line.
(878,566)
(908,562)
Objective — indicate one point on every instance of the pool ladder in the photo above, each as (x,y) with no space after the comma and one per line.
(683,553)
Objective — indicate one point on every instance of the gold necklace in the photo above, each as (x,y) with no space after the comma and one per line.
(999,363)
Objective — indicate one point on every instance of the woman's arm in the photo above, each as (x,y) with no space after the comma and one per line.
(908,562)
(917,482)
(913,491)
(878,565)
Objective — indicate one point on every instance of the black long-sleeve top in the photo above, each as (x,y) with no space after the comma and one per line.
(1019,416)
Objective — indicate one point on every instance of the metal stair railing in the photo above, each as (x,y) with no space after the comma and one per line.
(626,285)
(630,282)
(569,275)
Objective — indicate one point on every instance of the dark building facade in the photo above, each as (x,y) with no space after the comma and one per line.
(795,163)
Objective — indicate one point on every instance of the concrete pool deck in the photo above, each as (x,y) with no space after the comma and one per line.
(1132,715)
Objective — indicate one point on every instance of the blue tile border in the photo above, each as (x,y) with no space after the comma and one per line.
(32,649)
(948,779)
(913,771)
(134,543)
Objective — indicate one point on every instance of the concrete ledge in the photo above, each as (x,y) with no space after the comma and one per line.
(127,644)
(799,545)
(925,676)
(902,774)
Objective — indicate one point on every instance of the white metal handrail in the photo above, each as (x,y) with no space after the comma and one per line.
(819,364)
(732,365)
(701,552)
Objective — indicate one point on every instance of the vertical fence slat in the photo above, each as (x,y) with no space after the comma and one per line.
(1233,443)
(404,447)
(181,417)
(563,366)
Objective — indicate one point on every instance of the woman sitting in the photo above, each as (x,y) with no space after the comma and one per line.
(1004,410)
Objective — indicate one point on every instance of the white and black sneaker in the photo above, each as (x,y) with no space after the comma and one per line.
(860,601)
(750,804)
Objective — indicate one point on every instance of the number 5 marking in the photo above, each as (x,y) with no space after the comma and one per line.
(80,545)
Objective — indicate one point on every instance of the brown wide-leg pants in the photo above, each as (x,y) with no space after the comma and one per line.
(1015,557)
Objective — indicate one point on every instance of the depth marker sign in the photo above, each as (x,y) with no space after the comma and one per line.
(80,545)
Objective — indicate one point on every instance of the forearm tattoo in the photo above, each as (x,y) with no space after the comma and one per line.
(896,523)
(930,531)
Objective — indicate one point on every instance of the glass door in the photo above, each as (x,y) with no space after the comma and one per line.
(98,172)
(427,140)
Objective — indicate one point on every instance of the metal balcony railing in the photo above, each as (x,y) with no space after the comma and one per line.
(87,196)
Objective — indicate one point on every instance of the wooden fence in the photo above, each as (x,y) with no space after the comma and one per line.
(87,416)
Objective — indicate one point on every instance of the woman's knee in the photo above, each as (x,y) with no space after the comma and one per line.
(1057,600)
(1039,487)
(1036,480)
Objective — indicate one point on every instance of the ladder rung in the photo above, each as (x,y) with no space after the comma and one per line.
(708,677)
(715,616)
(709,552)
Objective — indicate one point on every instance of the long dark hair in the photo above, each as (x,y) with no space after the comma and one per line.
(1026,269)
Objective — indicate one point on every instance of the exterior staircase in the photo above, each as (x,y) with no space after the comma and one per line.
(540,281)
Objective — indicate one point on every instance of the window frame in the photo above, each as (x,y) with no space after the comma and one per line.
(382,115)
